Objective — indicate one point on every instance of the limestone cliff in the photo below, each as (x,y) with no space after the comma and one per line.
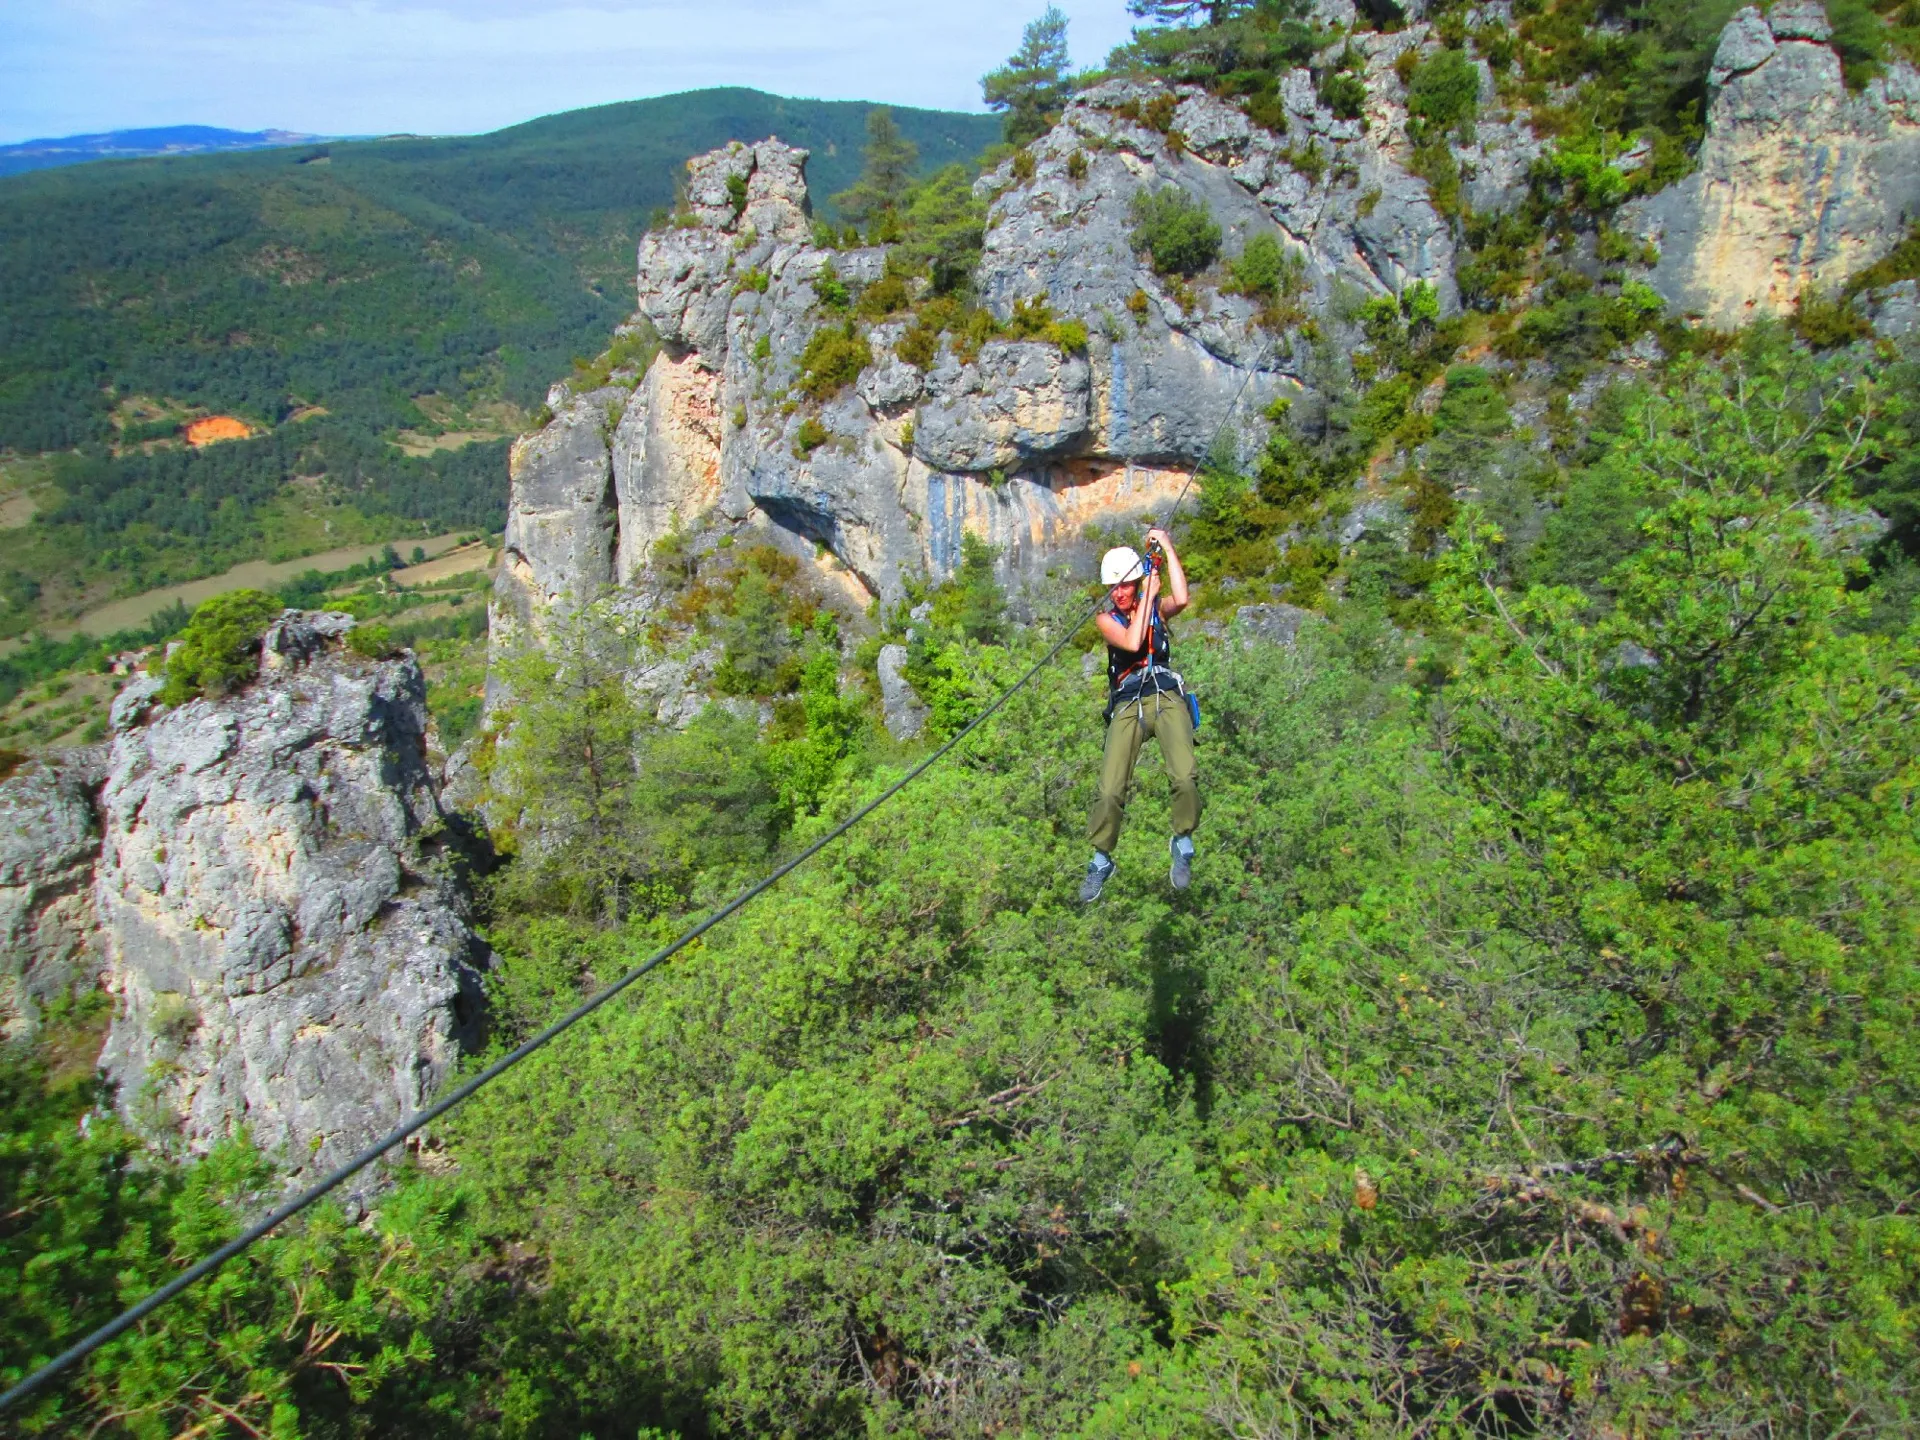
(1021,443)
(49,841)
(259,882)
(1800,184)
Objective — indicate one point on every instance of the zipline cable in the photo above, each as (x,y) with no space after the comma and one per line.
(127,1319)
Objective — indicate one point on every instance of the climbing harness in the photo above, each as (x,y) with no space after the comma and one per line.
(1150,674)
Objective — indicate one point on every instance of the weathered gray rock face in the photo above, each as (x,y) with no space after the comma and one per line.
(1022,444)
(560,537)
(1020,402)
(900,708)
(48,845)
(287,950)
(1800,183)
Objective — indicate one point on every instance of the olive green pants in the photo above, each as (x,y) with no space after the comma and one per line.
(1164,717)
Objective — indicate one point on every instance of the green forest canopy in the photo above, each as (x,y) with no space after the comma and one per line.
(356,274)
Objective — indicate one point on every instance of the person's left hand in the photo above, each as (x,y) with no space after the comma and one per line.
(1157,536)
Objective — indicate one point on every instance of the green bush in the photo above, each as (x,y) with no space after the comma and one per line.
(834,357)
(1175,230)
(372,642)
(1261,268)
(1824,321)
(220,648)
(972,602)
(886,296)
(1034,320)
(1342,89)
(810,436)
(830,290)
(1445,90)
(756,646)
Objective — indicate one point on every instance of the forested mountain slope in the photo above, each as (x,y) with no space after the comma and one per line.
(52,151)
(338,283)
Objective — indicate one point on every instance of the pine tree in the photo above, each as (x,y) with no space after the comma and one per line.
(1032,87)
(1187,12)
(875,197)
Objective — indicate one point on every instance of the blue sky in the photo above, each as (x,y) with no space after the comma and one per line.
(360,67)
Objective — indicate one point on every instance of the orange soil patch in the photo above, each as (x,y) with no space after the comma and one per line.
(216,428)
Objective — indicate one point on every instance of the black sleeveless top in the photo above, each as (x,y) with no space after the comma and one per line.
(1133,669)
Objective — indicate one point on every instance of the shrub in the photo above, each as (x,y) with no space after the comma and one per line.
(737,194)
(1309,159)
(1420,303)
(1077,165)
(1023,165)
(1069,335)
(831,290)
(972,601)
(1445,90)
(220,649)
(756,280)
(1175,230)
(1497,44)
(1034,320)
(833,360)
(1264,270)
(920,345)
(810,437)
(372,642)
(885,296)
(1824,323)
(1342,90)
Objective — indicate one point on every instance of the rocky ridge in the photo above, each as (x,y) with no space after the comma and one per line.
(1021,443)
(1800,183)
(266,885)
(49,840)
(1025,444)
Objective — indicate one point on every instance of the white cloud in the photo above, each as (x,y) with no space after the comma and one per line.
(379,66)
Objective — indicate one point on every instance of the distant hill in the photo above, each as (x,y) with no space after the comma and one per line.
(136,144)
(353,274)
(333,283)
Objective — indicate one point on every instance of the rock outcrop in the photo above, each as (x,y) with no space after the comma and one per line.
(1800,183)
(288,947)
(1020,442)
(1023,443)
(49,842)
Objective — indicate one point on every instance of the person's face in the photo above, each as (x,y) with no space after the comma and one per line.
(1125,594)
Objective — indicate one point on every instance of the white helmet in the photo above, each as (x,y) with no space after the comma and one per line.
(1121,564)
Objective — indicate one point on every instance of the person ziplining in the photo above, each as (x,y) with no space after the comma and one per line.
(1145,696)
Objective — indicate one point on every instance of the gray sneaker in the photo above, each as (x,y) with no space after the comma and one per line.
(1099,871)
(1181,874)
